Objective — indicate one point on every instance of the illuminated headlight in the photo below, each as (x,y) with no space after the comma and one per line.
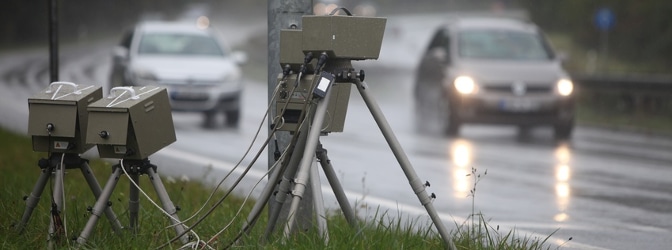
(465,85)
(565,87)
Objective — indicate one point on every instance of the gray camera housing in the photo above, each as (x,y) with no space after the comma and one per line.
(343,37)
(63,105)
(132,123)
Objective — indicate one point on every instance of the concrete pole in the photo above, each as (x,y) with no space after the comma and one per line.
(285,14)
(53,41)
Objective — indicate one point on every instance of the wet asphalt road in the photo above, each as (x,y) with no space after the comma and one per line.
(606,189)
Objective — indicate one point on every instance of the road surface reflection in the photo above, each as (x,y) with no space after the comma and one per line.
(461,153)
(563,175)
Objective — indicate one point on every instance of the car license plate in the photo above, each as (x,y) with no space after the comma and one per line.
(518,105)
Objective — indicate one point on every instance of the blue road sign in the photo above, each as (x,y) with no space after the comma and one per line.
(604,19)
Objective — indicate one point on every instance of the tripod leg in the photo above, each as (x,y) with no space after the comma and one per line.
(134,201)
(263,199)
(319,203)
(101,205)
(95,188)
(336,186)
(416,183)
(56,229)
(307,158)
(286,182)
(34,197)
(265,196)
(167,203)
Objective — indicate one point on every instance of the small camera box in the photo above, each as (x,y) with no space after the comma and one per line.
(131,123)
(57,119)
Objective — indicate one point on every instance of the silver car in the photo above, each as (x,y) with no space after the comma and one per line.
(198,69)
(493,71)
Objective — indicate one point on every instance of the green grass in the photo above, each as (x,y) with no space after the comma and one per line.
(381,231)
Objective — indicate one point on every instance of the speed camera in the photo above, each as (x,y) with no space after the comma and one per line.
(57,118)
(131,123)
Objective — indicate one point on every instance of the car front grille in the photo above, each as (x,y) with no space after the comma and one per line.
(508,88)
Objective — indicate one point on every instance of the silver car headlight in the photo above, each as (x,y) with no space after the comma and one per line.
(565,87)
(465,85)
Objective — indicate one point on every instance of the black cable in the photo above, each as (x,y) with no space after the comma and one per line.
(276,153)
(307,59)
(283,166)
(320,65)
(219,202)
(286,72)
(55,217)
(302,118)
(322,60)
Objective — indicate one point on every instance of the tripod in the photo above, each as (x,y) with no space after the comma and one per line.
(57,163)
(134,168)
(309,147)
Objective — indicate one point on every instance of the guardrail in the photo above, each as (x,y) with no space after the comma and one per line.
(650,94)
(636,82)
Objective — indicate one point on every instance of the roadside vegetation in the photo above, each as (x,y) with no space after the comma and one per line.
(614,108)
(18,164)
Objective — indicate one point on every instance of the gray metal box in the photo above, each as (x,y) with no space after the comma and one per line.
(291,50)
(131,123)
(334,120)
(344,37)
(63,105)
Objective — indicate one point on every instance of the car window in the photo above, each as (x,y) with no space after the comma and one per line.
(179,44)
(502,44)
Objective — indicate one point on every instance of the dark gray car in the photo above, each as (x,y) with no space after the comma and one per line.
(493,71)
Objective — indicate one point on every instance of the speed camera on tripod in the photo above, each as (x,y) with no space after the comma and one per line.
(131,123)
(57,118)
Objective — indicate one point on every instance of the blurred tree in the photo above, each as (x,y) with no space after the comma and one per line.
(24,22)
(642,34)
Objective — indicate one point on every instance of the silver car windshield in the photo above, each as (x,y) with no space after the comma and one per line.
(502,45)
(179,44)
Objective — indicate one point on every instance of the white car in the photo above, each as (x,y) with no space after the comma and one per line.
(194,64)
